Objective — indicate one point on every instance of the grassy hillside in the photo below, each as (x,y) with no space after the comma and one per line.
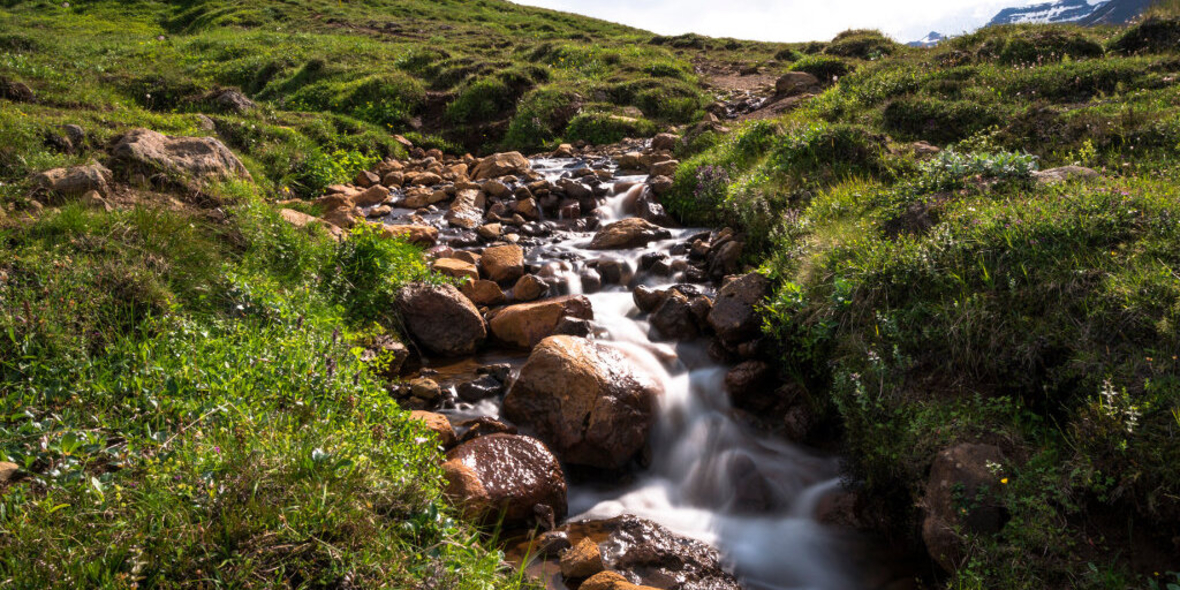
(930,300)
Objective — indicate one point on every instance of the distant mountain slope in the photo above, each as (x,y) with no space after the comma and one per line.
(1086,13)
(1082,12)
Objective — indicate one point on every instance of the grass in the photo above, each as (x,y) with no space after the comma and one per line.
(930,301)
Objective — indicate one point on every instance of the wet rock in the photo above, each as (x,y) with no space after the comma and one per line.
(725,260)
(374,195)
(647,299)
(585,400)
(394,179)
(734,316)
(453,267)
(674,319)
(479,389)
(482,292)
(628,233)
(196,158)
(661,185)
(640,551)
(501,371)
(526,324)
(750,384)
(649,209)
(582,560)
(76,180)
(1064,174)
(612,271)
(665,168)
(379,212)
(421,235)
(529,288)
(425,389)
(497,189)
(419,198)
(591,280)
(528,209)
(441,319)
(574,327)
(650,259)
(423,179)
(484,426)
(961,494)
(503,263)
(505,474)
(489,231)
(794,83)
(466,211)
(438,424)
(665,142)
(631,162)
(503,164)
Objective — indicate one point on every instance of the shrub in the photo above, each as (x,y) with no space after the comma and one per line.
(661,98)
(868,45)
(602,128)
(1154,35)
(364,274)
(541,117)
(788,55)
(935,120)
(1036,47)
(824,67)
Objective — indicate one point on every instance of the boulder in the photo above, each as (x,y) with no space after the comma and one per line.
(582,560)
(16,91)
(497,189)
(466,210)
(529,288)
(1064,174)
(374,195)
(674,319)
(503,474)
(344,218)
(441,319)
(526,324)
(483,292)
(637,551)
(422,197)
(584,399)
(453,267)
(503,263)
(420,235)
(196,158)
(961,496)
(647,299)
(438,424)
(631,161)
(484,426)
(76,181)
(423,179)
(665,168)
(734,316)
(503,164)
(794,83)
(661,185)
(480,388)
(233,101)
(749,384)
(425,389)
(665,142)
(628,233)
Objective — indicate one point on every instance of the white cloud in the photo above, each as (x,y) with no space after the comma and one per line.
(790,20)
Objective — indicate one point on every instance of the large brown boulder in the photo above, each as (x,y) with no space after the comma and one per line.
(466,210)
(640,554)
(504,474)
(628,233)
(734,316)
(526,324)
(497,165)
(585,401)
(441,319)
(961,498)
(483,292)
(76,181)
(196,158)
(503,263)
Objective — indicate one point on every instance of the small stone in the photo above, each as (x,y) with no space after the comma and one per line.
(438,424)
(8,471)
(582,560)
(426,389)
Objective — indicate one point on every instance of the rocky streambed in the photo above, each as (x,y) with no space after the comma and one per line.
(598,376)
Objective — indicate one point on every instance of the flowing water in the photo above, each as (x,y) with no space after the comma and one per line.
(749,494)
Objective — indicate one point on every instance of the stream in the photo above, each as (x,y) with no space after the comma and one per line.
(748,494)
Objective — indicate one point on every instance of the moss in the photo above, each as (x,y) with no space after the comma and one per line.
(859,44)
(823,67)
(604,128)
(1154,35)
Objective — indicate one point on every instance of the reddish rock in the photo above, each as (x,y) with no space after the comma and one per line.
(525,325)
(504,474)
(441,319)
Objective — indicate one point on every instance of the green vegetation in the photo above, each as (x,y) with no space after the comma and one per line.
(931,300)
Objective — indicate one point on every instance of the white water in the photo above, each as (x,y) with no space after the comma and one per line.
(748,494)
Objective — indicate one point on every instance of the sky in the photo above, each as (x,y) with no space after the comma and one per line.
(790,20)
